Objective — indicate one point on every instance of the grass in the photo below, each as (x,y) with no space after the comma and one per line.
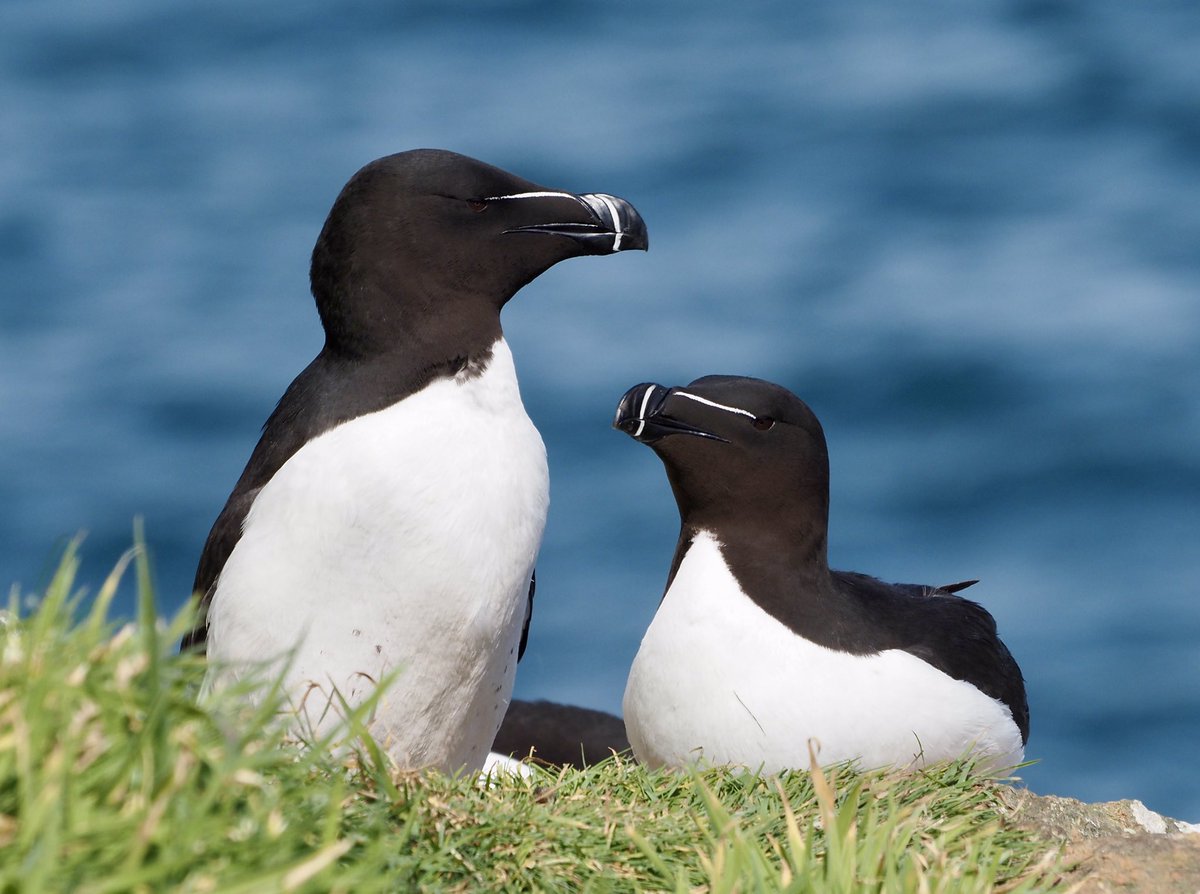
(113,778)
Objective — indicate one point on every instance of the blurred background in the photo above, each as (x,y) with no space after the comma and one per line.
(966,234)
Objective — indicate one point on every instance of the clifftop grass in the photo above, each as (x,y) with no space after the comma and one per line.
(112,778)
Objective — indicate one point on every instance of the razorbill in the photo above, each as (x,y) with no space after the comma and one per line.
(758,646)
(562,735)
(387,523)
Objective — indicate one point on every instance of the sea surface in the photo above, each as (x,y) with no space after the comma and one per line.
(967,234)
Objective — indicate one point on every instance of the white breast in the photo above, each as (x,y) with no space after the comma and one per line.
(402,543)
(718,679)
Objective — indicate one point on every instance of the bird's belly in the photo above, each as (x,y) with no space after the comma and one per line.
(717,679)
(397,546)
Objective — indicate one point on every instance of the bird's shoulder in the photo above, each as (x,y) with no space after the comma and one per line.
(303,412)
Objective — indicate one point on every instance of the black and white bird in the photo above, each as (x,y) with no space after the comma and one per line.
(388,521)
(758,646)
(560,735)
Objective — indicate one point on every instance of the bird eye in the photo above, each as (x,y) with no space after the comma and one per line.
(764,423)
(477,205)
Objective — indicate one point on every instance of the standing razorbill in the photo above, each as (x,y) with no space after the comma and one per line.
(758,646)
(388,521)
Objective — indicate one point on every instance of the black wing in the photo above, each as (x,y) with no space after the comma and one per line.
(285,432)
(330,391)
(528,616)
(952,633)
(967,647)
(315,402)
(225,533)
(958,587)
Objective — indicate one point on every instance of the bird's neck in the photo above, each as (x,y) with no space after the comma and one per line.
(758,544)
(424,329)
(787,575)
(802,549)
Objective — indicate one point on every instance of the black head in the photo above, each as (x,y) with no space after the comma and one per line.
(426,240)
(735,448)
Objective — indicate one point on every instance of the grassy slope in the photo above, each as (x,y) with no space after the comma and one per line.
(113,779)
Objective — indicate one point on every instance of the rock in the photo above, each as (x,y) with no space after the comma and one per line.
(1115,846)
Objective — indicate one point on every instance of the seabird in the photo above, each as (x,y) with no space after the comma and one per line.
(387,523)
(759,647)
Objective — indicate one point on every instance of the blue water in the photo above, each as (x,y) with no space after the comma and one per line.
(967,234)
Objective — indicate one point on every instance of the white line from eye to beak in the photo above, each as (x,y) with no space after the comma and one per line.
(713,403)
(537,195)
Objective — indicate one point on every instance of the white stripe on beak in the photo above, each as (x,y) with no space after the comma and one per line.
(616,221)
(642,411)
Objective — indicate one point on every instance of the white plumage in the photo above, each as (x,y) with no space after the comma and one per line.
(719,680)
(400,541)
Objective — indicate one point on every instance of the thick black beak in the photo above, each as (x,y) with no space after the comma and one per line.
(614,225)
(640,415)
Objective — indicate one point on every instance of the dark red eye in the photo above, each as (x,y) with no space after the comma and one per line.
(477,205)
(764,423)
